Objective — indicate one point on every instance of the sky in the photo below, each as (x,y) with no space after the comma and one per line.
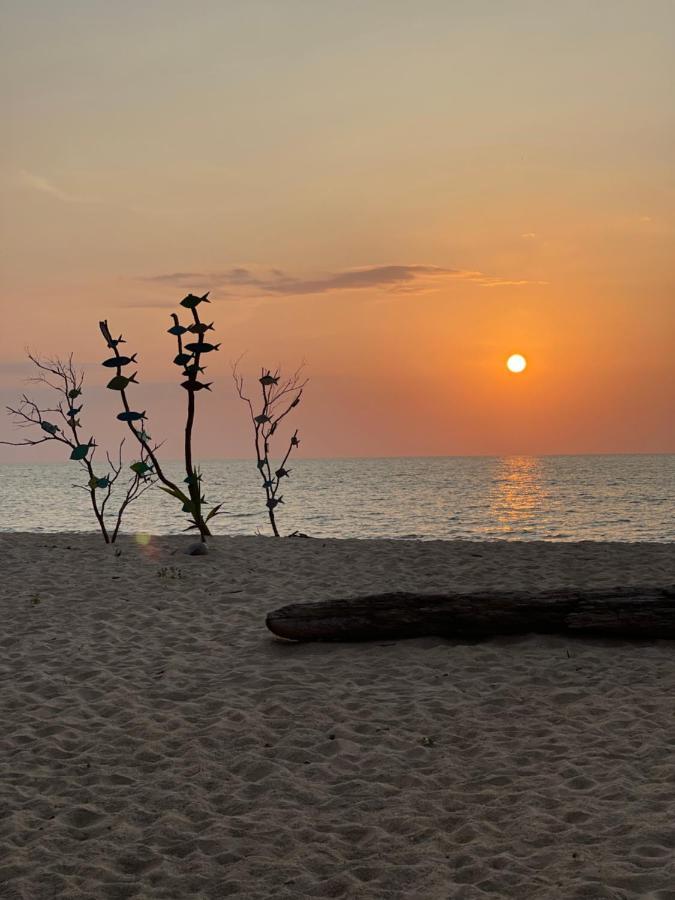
(398,195)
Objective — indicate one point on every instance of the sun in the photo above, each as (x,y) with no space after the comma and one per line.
(516,363)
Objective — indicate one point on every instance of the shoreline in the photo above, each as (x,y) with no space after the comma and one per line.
(159,742)
(188,538)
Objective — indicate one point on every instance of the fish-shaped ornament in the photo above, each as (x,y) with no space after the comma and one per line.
(261,419)
(201,347)
(81,450)
(182,359)
(49,428)
(131,416)
(177,330)
(140,468)
(274,501)
(75,392)
(295,441)
(74,423)
(269,379)
(120,382)
(261,464)
(193,370)
(281,472)
(196,385)
(115,361)
(99,482)
(73,411)
(191,300)
(267,483)
(113,342)
(200,328)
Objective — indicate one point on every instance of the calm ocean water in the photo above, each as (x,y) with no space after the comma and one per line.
(566,498)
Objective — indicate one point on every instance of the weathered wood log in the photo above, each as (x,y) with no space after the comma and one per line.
(633,612)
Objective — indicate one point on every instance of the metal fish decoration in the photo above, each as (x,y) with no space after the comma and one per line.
(261,419)
(193,370)
(196,385)
(182,359)
(281,472)
(74,423)
(177,330)
(201,347)
(268,380)
(295,442)
(274,501)
(131,416)
(140,468)
(73,411)
(120,382)
(115,361)
(75,392)
(112,342)
(81,450)
(191,300)
(49,428)
(199,328)
(99,482)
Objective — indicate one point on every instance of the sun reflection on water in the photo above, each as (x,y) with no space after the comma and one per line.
(517,492)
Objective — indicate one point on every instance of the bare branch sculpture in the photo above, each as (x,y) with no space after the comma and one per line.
(189,357)
(67,382)
(278,399)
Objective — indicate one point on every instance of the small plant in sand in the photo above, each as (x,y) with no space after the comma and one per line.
(173,573)
(61,423)
(278,398)
(192,347)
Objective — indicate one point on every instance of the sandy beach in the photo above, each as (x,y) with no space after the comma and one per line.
(158,742)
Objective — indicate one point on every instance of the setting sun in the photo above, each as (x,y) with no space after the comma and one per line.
(516,363)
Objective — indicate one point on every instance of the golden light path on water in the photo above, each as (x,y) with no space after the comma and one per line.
(517,492)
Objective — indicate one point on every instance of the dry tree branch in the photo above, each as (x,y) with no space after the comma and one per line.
(277,402)
(188,358)
(67,382)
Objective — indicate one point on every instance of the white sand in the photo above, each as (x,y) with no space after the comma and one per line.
(157,742)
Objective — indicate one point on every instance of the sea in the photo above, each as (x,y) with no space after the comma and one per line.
(523,498)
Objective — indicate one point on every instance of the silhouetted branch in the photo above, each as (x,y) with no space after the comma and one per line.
(62,377)
(189,356)
(277,402)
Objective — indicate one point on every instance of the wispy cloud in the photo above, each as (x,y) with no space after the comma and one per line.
(44,186)
(395,278)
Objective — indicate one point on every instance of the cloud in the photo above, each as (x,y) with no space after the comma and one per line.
(394,278)
(529,234)
(38,183)
(43,186)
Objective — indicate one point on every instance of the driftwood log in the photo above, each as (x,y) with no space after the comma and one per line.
(628,612)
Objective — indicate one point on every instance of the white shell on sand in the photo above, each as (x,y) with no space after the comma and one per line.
(157,741)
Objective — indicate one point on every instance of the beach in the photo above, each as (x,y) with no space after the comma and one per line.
(158,742)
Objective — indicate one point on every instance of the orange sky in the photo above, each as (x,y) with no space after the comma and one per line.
(399,197)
